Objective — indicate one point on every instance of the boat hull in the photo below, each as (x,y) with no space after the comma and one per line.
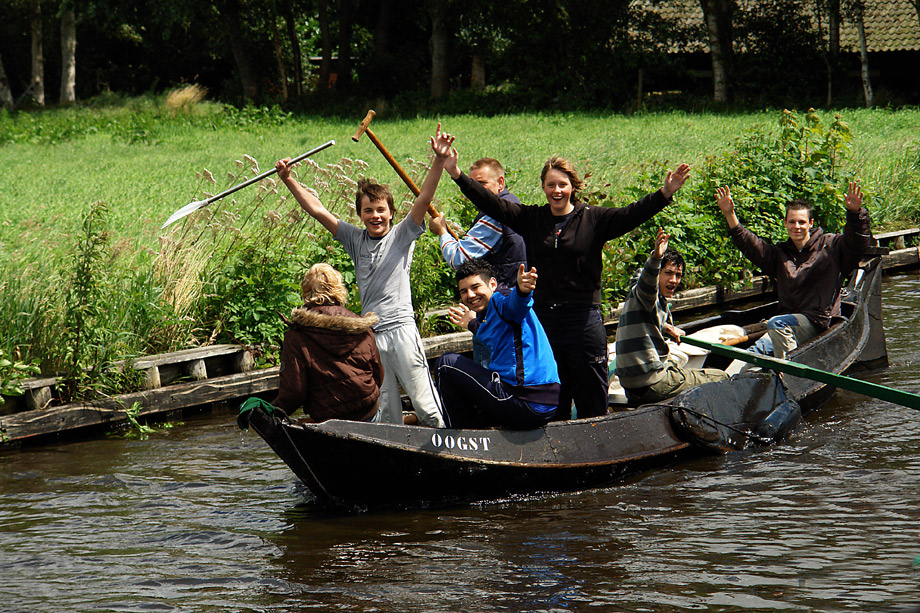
(356,464)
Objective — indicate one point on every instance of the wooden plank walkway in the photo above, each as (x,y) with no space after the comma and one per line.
(203,376)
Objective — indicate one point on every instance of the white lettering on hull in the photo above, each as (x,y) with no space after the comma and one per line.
(463,443)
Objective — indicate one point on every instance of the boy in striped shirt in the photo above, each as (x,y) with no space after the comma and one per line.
(642,364)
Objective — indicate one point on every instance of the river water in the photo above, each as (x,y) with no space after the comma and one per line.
(204,517)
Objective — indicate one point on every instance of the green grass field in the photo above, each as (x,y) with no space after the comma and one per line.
(142,161)
(44,188)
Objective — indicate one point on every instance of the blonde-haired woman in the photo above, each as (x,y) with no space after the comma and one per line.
(565,239)
(330,365)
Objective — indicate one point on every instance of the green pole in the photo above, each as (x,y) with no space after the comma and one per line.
(873,390)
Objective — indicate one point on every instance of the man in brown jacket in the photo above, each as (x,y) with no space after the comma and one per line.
(329,360)
(809,268)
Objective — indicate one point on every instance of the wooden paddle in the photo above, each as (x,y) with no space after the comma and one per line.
(873,390)
(191,207)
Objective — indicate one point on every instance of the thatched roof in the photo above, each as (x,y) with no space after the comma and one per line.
(891,25)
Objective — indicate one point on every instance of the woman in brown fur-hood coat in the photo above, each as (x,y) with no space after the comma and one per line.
(329,360)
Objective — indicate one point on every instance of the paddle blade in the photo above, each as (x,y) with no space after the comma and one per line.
(189,208)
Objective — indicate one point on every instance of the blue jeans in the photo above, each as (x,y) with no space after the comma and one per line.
(481,353)
(784,333)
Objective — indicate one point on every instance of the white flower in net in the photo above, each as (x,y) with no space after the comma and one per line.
(272,218)
(347,162)
(362,165)
(320,185)
(311,163)
(208,195)
(336,168)
(311,191)
(198,176)
(350,182)
(231,176)
(270,182)
(208,176)
(239,163)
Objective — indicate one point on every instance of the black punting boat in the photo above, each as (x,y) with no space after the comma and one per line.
(363,465)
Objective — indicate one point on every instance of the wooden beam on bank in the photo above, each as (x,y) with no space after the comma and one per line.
(110,413)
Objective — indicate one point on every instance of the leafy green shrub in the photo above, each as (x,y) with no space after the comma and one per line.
(11,375)
(768,166)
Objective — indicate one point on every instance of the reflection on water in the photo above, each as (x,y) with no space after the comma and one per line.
(205,518)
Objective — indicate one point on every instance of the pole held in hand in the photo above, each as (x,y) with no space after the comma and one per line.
(191,207)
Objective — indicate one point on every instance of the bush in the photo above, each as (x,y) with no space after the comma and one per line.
(802,157)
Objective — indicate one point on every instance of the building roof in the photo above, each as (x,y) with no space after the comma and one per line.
(891,25)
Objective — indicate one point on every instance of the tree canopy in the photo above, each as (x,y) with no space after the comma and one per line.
(474,55)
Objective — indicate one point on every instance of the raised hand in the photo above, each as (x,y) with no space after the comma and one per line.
(451,164)
(441,144)
(854,198)
(661,244)
(724,199)
(526,280)
(675,180)
(460,315)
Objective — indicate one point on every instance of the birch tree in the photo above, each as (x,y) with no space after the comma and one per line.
(37,82)
(718,17)
(68,55)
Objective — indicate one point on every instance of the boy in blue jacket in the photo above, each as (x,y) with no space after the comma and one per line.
(520,389)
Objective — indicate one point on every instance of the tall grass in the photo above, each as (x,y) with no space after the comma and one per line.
(222,273)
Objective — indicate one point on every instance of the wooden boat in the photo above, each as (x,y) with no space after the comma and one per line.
(364,465)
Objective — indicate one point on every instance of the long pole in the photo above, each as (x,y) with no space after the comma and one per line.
(194,206)
(866,388)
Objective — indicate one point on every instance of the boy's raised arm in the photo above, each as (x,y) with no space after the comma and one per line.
(308,201)
(440,144)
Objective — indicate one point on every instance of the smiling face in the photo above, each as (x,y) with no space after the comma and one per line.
(669,278)
(798,226)
(557,186)
(475,292)
(376,216)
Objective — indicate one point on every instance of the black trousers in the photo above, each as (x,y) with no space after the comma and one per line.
(579,341)
(473,397)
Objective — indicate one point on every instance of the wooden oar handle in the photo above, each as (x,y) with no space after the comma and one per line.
(404,175)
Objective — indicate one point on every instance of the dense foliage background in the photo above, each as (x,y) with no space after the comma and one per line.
(409,56)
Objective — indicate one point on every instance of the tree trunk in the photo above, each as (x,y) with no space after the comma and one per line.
(343,67)
(440,85)
(6,94)
(68,57)
(477,73)
(37,84)
(279,56)
(864,56)
(248,82)
(833,47)
(325,64)
(288,14)
(719,45)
